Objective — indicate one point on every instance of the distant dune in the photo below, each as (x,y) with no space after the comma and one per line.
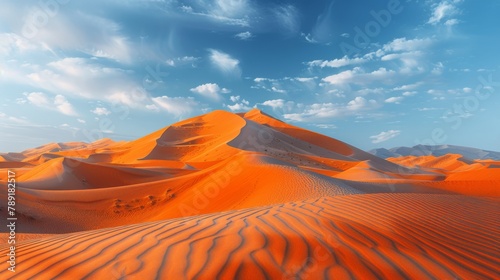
(247,196)
(437,150)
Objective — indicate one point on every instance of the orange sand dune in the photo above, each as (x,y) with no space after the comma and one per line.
(247,196)
(64,173)
(216,162)
(385,236)
(444,163)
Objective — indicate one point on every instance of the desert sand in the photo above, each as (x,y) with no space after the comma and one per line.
(247,196)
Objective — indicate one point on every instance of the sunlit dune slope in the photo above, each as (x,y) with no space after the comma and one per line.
(215,162)
(381,236)
(243,181)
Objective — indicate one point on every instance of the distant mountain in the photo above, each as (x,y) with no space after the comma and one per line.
(437,150)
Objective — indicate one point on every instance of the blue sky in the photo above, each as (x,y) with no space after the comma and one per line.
(370,73)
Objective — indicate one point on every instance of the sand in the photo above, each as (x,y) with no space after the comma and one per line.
(247,196)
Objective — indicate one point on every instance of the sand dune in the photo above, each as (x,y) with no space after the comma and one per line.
(387,236)
(248,196)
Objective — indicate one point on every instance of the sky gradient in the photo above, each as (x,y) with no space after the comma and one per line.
(370,73)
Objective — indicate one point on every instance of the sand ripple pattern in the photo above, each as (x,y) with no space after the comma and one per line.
(376,236)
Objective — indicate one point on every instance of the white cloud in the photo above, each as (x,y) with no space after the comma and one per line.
(277,90)
(320,111)
(225,63)
(404,45)
(276,103)
(181,61)
(59,103)
(101,111)
(305,80)
(210,90)
(38,99)
(360,103)
(343,77)
(410,60)
(444,9)
(77,29)
(230,8)
(86,79)
(12,43)
(452,22)
(177,106)
(239,106)
(260,80)
(64,106)
(81,121)
(384,136)
(235,98)
(438,69)
(409,87)
(358,76)
(336,63)
(396,100)
(244,35)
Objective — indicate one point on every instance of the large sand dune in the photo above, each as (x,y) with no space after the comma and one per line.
(247,196)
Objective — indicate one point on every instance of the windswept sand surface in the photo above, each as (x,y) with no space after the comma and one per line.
(381,236)
(246,196)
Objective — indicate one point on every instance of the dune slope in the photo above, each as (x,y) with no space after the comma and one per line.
(247,196)
(389,236)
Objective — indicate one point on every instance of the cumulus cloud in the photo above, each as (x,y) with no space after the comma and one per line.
(394,99)
(244,35)
(320,111)
(443,10)
(210,90)
(259,80)
(86,79)
(58,103)
(181,61)
(276,103)
(278,90)
(336,63)
(305,80)
(405,45)
(358,76)
(225,63)
(384,136)
(38,99)
(63,106)
(240,104)
(409,87)
(101,111)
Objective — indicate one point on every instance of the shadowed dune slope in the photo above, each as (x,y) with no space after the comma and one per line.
(381,236)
